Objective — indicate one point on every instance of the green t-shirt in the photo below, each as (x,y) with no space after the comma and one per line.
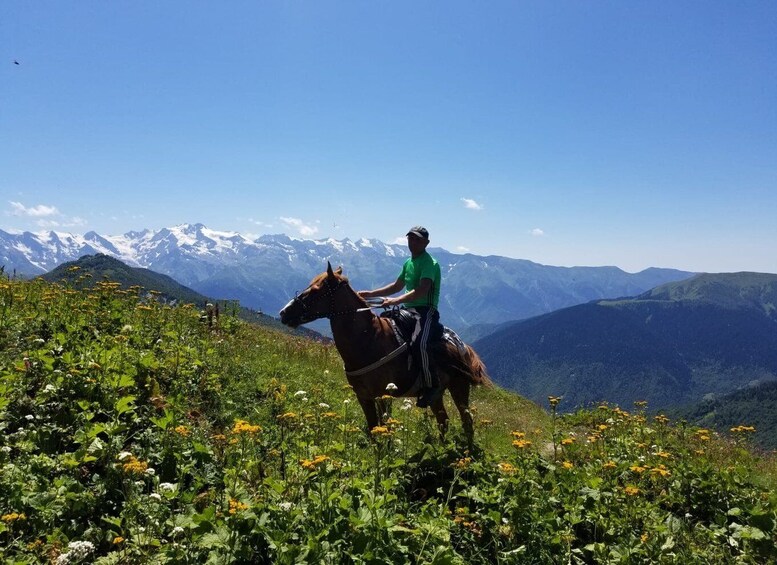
(422,267)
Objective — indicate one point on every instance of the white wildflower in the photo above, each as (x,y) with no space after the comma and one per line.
(40,340)
(300,393)
(391,387)
(5,449)
(123,455)
(150,472)
(285,506)
(177,531)
(166,487)
(156,496)
(407,404)
(78,551)
(347,401)
(323,405)
(29,417)
(49,388)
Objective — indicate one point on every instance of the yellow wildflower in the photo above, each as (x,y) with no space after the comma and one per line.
(638,469)
(507,468)
(117,540)
(567,464)
(521,443)
(13,517)
(380,431)
(243,427)
(182,431)
(518,435)
(609,465)
(661,470)
(631,490)
(567,441)
(288,416)
(134,466)
(236,506)
(463,463)
(554,400)
(311,465)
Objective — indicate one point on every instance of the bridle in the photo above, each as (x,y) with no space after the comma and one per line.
(329,292)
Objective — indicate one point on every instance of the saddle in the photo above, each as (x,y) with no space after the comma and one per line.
(403,323)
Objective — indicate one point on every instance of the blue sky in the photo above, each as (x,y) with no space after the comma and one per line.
(620,133)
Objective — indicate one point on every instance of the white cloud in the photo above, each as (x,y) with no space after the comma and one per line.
(471,204)
(39,211)
(300,226)
(537,232)
(400,240)
(462,249)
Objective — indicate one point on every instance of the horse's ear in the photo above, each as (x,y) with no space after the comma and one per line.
(339,270)
(329,272)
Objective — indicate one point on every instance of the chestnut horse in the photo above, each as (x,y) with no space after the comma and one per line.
(372,357)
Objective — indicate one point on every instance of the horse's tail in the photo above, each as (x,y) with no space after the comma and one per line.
(468,366)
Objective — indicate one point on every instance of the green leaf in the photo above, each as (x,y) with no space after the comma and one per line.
(125,404)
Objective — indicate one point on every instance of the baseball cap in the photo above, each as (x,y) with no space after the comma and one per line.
(419,231)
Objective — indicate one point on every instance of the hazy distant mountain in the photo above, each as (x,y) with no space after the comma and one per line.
(673,345)
(265,273)
(102,267)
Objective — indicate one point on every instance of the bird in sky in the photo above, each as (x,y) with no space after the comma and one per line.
(16,62)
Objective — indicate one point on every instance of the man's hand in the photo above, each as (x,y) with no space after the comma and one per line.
(390,302)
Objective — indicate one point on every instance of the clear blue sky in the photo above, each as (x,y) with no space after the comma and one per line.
(619,133)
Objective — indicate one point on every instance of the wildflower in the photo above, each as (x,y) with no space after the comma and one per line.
(554,400)
(155,496)
(391,387)
(300,393)
(288,416)
(407,404)
(386,397)
(380,431)
(167,487)
(312,464)
(117,540)
(567,464)
(243,427)
(29,417)
(323,405)
(741,429)
(521,443)
(663,454)
(236,506)
(331,415)
(78,551)
(506,468)
(150,471)
(178,530)
(463,463)
(640,403)
(609,465)
(392,422)
(518,435)
(567,441)
(49,388)
(638,469)
(182,431)
(644,537)
(631,490)
(133,465)
(219,437)
(285,506)
(602,427)
(661,470)
(13,517)
(484,422)
(661,419)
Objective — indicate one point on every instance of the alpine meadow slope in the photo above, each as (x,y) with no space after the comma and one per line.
(674,345)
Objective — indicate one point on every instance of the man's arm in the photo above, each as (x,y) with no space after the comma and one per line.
(396,286)
(421,291)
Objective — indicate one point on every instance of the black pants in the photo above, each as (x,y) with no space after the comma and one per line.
(427,331)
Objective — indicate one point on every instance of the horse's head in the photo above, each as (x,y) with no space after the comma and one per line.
(318,300)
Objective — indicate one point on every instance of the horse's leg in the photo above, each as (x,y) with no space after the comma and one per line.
(460,393)
(438,408)
(370,412)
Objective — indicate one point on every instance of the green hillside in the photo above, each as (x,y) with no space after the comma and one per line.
(89,269)
(133,433)
(673,346)
(756,405)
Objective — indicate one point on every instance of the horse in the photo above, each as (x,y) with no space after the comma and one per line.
(373,359)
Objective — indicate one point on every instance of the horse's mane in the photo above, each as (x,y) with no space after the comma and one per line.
(320,279)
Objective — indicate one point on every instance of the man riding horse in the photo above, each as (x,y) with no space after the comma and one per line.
(420,275)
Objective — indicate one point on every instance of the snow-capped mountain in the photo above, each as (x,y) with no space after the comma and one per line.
(264,273)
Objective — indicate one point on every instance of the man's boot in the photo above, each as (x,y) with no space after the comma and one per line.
(429,394)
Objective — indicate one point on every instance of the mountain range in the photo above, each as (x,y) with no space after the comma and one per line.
(264,273)
(674,345)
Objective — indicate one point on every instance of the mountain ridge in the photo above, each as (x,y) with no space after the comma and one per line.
(674,345)
(264,273)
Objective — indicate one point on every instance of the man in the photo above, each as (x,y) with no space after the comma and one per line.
(420,275)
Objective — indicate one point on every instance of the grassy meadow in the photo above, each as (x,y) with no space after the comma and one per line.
(132,433)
